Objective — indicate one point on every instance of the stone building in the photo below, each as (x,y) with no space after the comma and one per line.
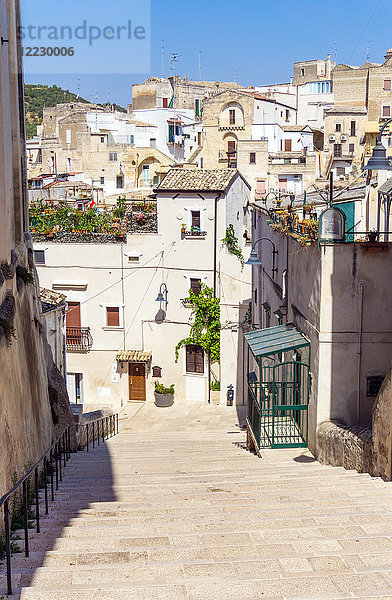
(113,151)
(310,92)
(183,93)
(336,296)
(120,339)
(259,136)
(362,102)
(27,371)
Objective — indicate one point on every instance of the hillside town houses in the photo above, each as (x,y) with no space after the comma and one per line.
(189,163)
(195,327)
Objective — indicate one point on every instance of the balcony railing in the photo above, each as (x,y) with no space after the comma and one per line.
(79,339)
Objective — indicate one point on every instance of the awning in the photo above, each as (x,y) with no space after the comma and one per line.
(273,340)
(133,356)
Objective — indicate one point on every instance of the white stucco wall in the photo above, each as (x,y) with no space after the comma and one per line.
(165,257)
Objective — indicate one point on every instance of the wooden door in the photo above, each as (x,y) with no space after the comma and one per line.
(287,145)
(73,326)
(137,382)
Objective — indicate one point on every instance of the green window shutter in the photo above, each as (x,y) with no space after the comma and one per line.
(349,210)
(171,102)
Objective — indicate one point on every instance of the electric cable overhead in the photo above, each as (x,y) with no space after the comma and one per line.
(364,31)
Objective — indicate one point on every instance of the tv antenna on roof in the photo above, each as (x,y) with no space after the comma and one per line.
(174,58)
(368,49)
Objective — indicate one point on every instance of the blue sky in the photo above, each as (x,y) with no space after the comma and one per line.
(254,41)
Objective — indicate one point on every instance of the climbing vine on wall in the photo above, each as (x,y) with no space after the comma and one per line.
(231,242)
(205,329)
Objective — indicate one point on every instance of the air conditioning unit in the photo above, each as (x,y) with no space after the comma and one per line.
(343,138)
(332,138)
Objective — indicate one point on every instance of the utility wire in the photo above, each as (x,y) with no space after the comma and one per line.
(119,281)
(364,31)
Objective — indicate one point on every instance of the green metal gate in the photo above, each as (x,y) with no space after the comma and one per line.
(278,390)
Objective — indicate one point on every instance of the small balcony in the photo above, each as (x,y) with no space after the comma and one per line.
(78,339)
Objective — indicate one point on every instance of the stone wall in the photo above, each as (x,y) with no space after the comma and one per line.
(364,450)
(34,404)
(342,446)
(381,430)
(89,418)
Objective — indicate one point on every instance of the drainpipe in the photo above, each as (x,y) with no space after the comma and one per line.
(361,289)
(214,284)
(63,318)
(215,240)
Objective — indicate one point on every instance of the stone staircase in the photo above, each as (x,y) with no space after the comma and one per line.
(175,508)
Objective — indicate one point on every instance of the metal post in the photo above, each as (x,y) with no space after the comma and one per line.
(117,421)
(103,429)
(57,467)
(60,460)
(107,428)
(87,437)
(64,450)
(36,498)
(46,485)
(98,434)
(51,475)
(25,518)
(8,545)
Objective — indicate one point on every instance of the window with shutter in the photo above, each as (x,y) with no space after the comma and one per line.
(386,111)
(196,218)
(194,359)
(196,286)
(260,186)
(232,116)
(387,85)
(287,145)
(112,316)
(337,150)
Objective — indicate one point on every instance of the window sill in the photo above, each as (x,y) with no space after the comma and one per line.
(107,328)
(200,375)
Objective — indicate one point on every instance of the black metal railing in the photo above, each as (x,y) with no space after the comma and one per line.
(97,430)
(78,339)
(50,467)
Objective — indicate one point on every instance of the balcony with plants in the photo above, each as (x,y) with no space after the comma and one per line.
(59,222)
(301,227)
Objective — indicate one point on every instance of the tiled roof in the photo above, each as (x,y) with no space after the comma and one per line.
(211,180)
(294,127)
(386,187)
(50,299)
(133,356)
(336,109)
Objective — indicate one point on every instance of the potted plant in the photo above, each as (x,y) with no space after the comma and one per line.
(164,396)
(183,228)
(215,392)
(372,235)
